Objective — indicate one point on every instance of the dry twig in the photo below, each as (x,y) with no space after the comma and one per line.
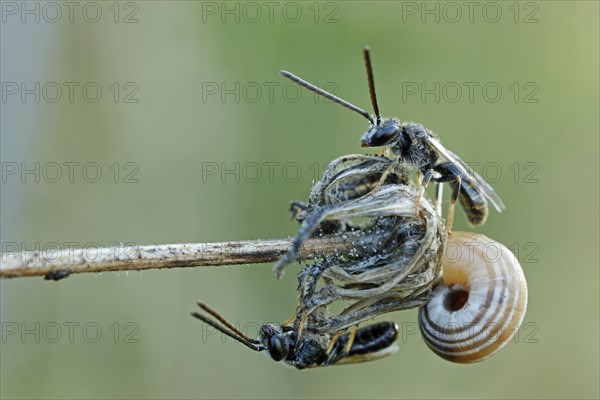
(57,264)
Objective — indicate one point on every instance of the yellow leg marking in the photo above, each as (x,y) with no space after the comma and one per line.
(451,209)
(420,194)
(438,199)
(332,343)
(385,174)
(419,177)
(290,319)
(450,219)
(302,322)
(350,339)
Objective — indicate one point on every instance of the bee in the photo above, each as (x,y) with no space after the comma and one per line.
(310,350)
(417,146)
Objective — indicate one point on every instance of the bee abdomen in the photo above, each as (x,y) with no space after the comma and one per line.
(374,337)
(470,197)
(474,204)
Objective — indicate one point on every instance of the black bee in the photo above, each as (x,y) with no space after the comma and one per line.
(309,350)
(415,145)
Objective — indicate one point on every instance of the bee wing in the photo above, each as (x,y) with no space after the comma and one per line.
(485,187)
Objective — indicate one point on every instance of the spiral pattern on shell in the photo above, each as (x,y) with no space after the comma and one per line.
(480,303)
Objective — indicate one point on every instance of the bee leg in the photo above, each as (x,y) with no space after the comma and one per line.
(292,318)
(333,342)
(350,341)
(439,192)
(455,180)
(385,174)
(455,190)
(341,347)
(422,187)
(302,322)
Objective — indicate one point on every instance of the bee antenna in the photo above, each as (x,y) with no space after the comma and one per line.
(233,332)
(371,84)
(326,94)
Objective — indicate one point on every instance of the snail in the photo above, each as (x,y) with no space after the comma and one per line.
(480,302)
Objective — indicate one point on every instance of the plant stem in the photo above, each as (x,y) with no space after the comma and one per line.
(56,264)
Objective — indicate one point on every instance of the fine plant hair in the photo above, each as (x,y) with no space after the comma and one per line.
(393,262)
(395,258)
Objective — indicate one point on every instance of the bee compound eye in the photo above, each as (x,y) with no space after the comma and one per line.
(383,135)
(277,348)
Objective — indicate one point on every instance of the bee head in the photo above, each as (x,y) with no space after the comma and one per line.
(278,340)
(383,134)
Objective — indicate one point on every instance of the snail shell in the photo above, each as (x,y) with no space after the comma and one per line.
(480,303)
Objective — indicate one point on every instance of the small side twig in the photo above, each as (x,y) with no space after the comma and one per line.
(58,264)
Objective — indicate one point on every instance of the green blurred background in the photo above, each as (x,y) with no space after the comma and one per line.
(542,138)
